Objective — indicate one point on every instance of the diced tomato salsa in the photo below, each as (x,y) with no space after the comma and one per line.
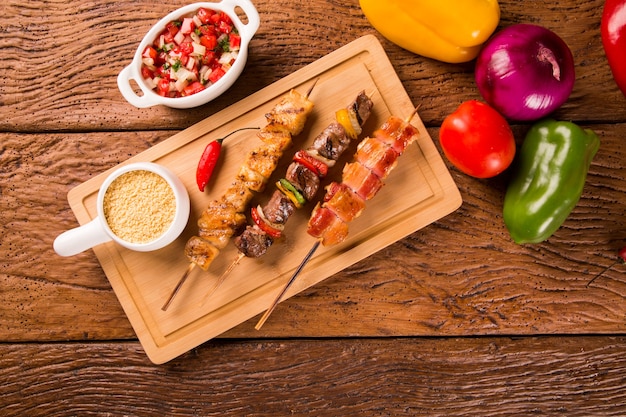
(190,54)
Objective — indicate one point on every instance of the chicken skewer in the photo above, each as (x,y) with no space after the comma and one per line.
(225,215)
(301,182)
(362,178)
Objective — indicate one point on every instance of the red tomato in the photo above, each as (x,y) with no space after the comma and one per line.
(150,52)
(477,140)
(234,41)
(193,88)
(205,14)
(216,74)
(172,29)
(146,72)
(163,87)
(209,41)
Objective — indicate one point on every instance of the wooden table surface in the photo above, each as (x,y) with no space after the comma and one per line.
(455,319)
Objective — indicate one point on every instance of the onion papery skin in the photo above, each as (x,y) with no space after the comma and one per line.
(525,72)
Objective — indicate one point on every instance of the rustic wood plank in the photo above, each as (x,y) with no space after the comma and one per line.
(61,61)
(459,276)
(581,376)
(462,275)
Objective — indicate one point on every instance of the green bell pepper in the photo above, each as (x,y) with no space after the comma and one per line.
(548,179)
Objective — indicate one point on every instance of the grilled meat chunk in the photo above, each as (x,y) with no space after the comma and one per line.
(331,142)
(253,242)
(305,180)
(291,111)
(279,208)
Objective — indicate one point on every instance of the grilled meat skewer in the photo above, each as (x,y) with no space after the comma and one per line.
(224,216)
(327,148)
(375,158)
(301,182)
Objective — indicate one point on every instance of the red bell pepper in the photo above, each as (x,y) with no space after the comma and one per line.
(260,221)
(613,31)
(314,165)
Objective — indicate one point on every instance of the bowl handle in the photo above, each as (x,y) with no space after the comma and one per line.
(81,238)
(123,83)
(253,16)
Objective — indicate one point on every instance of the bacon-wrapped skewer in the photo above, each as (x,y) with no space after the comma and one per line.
(225,215)
(375,158)
(301,182)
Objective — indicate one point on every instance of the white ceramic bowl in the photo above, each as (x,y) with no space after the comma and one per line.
(97,231)
(150,97)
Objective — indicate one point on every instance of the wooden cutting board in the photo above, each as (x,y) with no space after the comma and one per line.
(418,192)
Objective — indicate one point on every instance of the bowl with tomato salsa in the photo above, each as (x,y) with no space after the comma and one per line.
(191,56)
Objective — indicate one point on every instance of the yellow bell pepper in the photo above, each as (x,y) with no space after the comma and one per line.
(446,30)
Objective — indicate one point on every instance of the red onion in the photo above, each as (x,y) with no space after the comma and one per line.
(525,72)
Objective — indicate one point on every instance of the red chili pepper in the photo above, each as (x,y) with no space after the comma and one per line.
(256,218)
(207,163)
(613,31)
(209,159)
(315,165)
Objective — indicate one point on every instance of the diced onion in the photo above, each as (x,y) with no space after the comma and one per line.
(181,83)
(191,63)
(179,37)
(203,73)
(329,162)
(198,49)
(355,121)
(195,37)
(148,62)
(276,226)
(226,58)
(151,83)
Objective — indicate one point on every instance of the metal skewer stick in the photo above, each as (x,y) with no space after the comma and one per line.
(288,284)
(305,261)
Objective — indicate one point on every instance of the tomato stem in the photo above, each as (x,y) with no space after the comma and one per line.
(622,260)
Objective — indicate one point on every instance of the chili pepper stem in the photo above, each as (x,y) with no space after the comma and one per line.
(220,140)
(599,274)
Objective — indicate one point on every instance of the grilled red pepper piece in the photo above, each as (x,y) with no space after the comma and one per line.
(314,165)
(613,30)
(269,230)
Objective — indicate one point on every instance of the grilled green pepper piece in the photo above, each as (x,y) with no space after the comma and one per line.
(548,179)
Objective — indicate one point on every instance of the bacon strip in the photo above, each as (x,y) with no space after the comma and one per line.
(375,158)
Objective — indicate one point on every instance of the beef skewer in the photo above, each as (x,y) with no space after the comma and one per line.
(301,182)
(375,158)
(225,215)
